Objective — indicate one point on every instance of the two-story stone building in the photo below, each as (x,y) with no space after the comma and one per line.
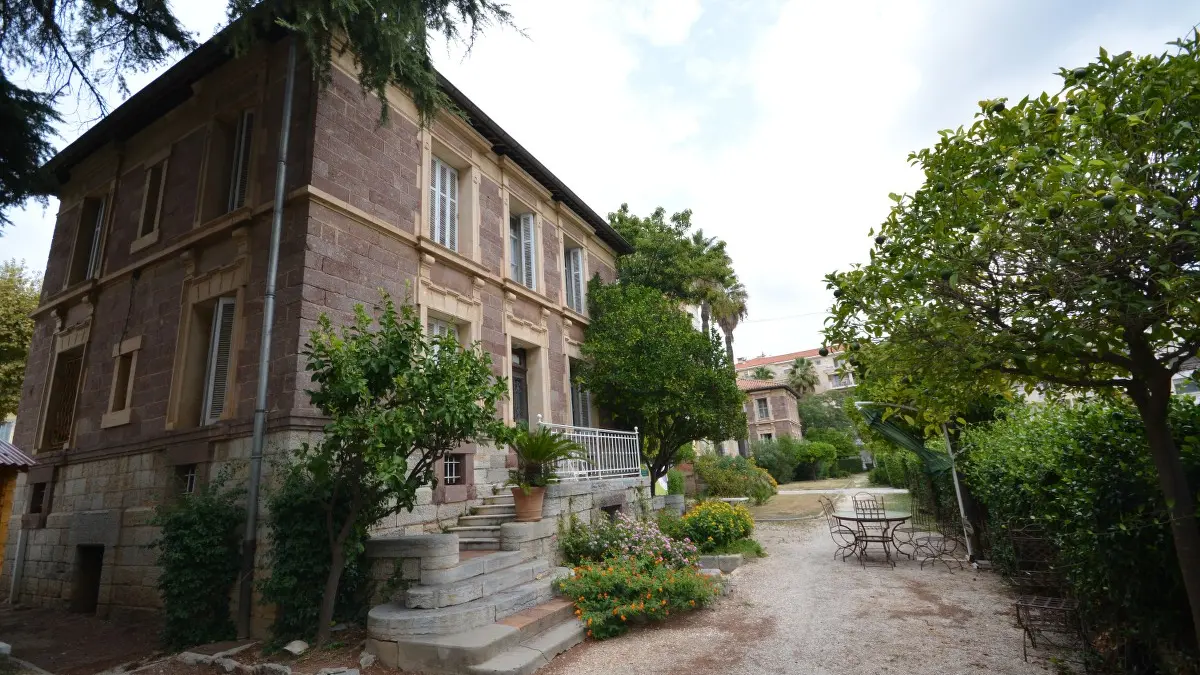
(141,377)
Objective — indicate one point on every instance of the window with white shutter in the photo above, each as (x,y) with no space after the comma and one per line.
(522,250)
(573,278)
(220,347)
(439,328)
(763,411)
(239,175)
(581,401)
(443,204)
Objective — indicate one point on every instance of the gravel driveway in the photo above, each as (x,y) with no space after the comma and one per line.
(799,611)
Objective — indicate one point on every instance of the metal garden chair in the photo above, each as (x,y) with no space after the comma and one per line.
(1043,607)
(845,538)
(872,526)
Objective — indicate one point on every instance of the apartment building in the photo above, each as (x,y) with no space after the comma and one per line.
(826,367)
(141,377)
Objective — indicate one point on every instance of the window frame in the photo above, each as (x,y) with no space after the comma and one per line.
(147,237)
(116,416)
(575,278)
(762,408)
(237,193)
(92,270)
(458,461)
(522,249)
(523,367)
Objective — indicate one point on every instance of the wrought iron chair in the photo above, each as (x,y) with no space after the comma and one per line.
(845,538)
(1043,607)
(872,526)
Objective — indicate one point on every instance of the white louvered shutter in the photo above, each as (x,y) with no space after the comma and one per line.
(220,347)
(239,178)
(527,251)
(443,204)
(575,280)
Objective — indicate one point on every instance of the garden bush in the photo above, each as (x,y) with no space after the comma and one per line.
(675,482)
(300,558)
(199,555)
(611,595)
(735,477)
(713,524)
(841,439)
(623,537)
(1085,473)
(788,459)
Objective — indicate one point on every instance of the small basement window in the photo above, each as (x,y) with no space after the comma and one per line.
(37,498)
(185,477)
(452,469)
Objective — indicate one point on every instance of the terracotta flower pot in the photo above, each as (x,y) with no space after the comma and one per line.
(529,504)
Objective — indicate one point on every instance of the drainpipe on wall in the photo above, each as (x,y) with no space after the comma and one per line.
(250,542)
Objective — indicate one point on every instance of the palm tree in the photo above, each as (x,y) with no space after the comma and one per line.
(802,376)
(712,271)
(728,311)
(762,373)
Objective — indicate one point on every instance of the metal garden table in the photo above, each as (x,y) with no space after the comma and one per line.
(890,520)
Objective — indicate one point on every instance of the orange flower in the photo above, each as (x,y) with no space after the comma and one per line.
(614,611)
(693,602)
(589,623)
(622,617)
(589,633)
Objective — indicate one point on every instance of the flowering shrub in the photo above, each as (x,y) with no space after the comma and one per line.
(624,537)
(611,595)
(714,524)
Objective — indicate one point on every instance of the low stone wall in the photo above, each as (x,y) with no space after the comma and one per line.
(397,562)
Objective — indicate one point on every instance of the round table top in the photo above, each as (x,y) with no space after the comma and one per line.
(887,516)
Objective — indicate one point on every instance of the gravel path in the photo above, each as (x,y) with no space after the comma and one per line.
(799,611)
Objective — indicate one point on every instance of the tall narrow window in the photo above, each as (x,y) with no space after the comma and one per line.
(581,402)
(573,277)
(439,328)
(443,204)
(521,250)
(120,396)
(220,346)
(763,411)
(85,255)
(239,174)
(152,198)
(520,386)
(60,409)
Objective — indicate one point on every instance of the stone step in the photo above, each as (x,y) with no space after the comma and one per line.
(454,653)
(472,567)
(474,531)
(489,509)
(479,544)
(393,621)
(504,498)
(534,653)
(466,590)
(489,519)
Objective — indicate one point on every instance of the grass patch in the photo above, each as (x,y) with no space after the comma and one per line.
(747,547)
(782,507)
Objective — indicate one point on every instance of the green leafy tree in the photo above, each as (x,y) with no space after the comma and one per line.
(83,46)
(646,365)
(19,293)
(1054,241)
(802,376)
(827,410)
(398,401)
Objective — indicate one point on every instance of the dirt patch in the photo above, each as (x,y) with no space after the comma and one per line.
(853,480)
(75,644)
(788,506)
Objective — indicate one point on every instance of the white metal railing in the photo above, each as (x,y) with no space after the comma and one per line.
(609,453)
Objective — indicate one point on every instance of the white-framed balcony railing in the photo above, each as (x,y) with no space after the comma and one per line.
(609,453)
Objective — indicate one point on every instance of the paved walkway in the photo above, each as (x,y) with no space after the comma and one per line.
(799,611)
(845,491)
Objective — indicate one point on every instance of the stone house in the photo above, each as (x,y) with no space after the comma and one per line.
(771,410)
(141,378)
(826,367)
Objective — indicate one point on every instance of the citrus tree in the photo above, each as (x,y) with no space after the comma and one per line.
(1054,241)
(397,402)
(647,366)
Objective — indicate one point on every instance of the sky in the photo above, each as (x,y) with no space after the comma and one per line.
(782,124)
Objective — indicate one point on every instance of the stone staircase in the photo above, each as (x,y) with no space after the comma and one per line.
(480,531)
(493,612)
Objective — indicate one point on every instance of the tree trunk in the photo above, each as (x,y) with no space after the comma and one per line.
(337,564)
(705,316)
(1152,403)
(729,349)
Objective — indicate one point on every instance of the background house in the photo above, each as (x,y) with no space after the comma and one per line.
(826,367)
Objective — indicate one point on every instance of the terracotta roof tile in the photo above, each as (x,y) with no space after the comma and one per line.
(782,358)
(763,385)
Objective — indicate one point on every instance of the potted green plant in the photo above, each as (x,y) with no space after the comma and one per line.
(538,455)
